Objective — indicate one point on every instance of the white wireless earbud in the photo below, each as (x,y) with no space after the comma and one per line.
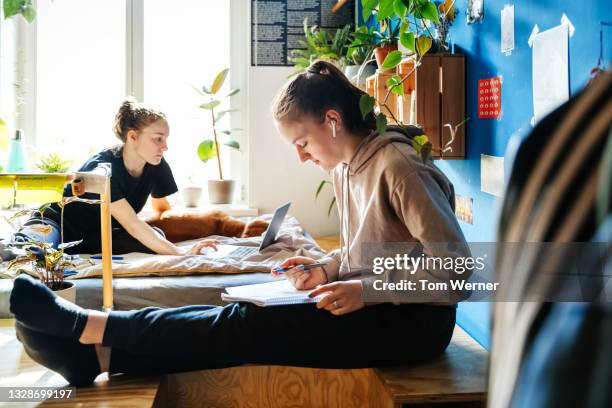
(333,125)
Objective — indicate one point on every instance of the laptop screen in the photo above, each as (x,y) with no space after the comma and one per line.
(275,224)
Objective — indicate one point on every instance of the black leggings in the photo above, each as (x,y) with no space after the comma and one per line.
(123,242)
(158,341)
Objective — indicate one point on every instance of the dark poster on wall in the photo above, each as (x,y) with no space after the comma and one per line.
(278,25)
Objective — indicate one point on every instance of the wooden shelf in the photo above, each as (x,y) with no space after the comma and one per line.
(434,96)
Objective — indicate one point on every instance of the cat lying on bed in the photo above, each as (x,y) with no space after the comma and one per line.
(181,226)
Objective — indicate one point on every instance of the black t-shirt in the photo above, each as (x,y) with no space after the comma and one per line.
(82,221)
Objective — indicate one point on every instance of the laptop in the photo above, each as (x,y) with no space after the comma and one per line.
(239,252)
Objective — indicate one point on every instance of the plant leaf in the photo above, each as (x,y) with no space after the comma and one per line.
(232,93)
(331,206)
(407,40)
(206,150)
(395,85)
(381,123)
(206,90)
(11,7)
(367,6)
(222,113)
(67,245)
(392,59)
(425,151)
(385,10)
(366,105)
(233,144)
(430,12)
(407,3)
(321,185)
(29,13)
(210,105)
(400,8)
(219,80)
(420,139)
(423,44)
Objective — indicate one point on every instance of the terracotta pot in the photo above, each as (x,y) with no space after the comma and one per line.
(191,196)
(381,53)
(221,191)
(68,291)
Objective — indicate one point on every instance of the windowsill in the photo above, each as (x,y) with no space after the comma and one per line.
(234,210)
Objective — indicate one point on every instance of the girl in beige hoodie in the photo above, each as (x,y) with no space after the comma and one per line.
(385,194)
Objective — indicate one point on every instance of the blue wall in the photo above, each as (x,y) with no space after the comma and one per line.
(480,43)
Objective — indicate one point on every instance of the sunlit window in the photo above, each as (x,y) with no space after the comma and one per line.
(80,75)
(184,47)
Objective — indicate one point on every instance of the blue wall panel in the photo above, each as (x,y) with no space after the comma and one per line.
(480,43)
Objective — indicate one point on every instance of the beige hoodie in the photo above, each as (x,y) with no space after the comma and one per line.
(389,199)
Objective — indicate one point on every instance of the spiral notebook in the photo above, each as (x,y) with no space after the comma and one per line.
(275,293)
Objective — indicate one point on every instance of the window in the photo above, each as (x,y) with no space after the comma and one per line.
(184,47)
(80,75)
(79,59)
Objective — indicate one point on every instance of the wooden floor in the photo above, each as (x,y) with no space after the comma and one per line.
(18,370)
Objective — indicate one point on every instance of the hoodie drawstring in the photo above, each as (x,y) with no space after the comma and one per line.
(344,198)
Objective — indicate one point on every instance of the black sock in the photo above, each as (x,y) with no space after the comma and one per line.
(76,362)
(38,308)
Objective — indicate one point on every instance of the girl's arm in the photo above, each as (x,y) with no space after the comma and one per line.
(123,212)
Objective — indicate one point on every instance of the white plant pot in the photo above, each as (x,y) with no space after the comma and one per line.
(68,292)
(191,196)
(352,71)
(221,191)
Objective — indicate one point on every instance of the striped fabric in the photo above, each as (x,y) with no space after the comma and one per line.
(556,184)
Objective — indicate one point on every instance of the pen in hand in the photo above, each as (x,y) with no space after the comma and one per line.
(300,266)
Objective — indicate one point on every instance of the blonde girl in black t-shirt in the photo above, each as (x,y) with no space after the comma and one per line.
(139,170)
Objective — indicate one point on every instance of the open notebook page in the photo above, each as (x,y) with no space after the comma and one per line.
(269,294)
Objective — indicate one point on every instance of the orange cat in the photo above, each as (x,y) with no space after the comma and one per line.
(182,226)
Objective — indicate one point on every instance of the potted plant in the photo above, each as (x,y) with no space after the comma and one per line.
(360,56)
(413,19)
(401,21)
(319,44)
(220,191)
(53,163)
(48,263)
(192,193)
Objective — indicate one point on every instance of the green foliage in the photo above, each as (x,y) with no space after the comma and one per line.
(49,263)
(53,163)
(24,7)
(209,148)
(406,22)
(319,44)
(395,85)
(333,201)
(366,104)
(363,45)
(392,59)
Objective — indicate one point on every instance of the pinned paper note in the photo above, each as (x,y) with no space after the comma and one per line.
(489,98)
(507,29)
(533,34)
(492,175)
(463,208)
(566,21)
(550,70)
